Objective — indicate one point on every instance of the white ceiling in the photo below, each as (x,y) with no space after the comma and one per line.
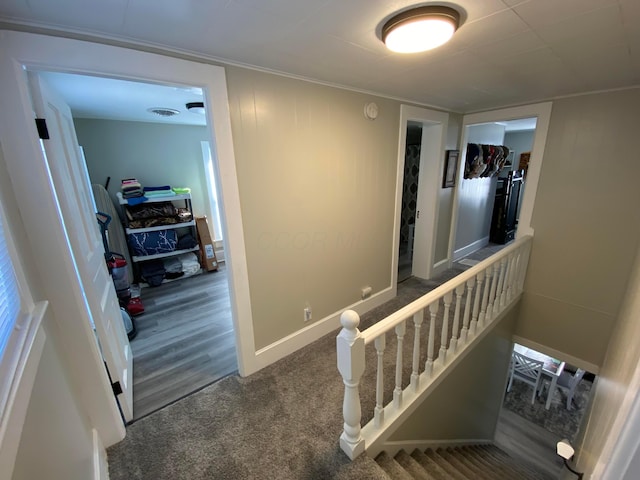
(107,98)
(506,52)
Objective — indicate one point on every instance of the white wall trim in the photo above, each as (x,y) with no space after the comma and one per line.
(542,111)
(440,267)
(469,249)
(576,362)
(23,365)
(297,340)
(393,447)
(100,465)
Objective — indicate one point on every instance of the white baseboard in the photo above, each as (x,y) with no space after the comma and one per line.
(393,447)
(440,267)
(469,249)
(291,343)
(100,465)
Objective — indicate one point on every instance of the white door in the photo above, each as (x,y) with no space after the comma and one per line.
(74,196)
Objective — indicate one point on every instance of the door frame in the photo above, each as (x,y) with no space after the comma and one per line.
(542,112)
(434,135)
(41,214)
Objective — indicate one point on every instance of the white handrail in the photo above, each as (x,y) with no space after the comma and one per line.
(395,318)
(480,294)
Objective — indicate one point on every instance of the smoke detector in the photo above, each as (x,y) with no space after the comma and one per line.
(163,112)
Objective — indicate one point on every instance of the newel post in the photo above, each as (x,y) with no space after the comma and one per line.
(350,348)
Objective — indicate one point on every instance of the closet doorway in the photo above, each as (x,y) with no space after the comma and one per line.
(185,338)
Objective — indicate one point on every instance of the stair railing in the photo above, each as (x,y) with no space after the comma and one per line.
(478,296)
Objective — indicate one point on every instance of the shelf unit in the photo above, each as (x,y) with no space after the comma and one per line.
(173,226)
(192,223)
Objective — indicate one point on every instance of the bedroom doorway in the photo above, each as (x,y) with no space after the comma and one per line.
(185,336)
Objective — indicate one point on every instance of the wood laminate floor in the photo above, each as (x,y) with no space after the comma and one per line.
(185,340)
(528,442)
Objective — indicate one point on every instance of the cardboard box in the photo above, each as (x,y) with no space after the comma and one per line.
(207,254)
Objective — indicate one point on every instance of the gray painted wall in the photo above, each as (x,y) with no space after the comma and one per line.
(53,414)
(587,225)
(317,190)
(617,385)
(154,153)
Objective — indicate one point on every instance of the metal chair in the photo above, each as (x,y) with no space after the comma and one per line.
(526,370)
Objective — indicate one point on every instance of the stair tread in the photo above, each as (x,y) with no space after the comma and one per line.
(466,462)
(457,461)
(435,470)
(392,467)
(446,465)
(416,470)
(487,466)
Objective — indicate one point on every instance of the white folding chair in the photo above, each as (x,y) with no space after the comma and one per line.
(526,370)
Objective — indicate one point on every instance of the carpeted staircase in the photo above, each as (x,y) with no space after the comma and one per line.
(477,462)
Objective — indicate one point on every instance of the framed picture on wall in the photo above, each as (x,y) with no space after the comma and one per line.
(450,168)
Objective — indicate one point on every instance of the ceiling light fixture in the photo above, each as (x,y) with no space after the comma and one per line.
(420,29)
(195,107)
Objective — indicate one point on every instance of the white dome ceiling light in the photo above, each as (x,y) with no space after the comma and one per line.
(195,107)
(420,29)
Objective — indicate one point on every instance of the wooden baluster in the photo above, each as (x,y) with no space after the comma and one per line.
(433,310)
(500,293)
(476,302)
(456,319)
(378,415)
(521,270)
(510,276)
(418,318)
(401,329)
(485,298)
(351,362)
(492,294)
(466,317)
(444,336)
(524,252)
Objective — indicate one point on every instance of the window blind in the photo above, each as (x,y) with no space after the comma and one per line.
(9,298)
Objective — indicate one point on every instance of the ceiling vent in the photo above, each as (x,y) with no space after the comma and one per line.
(164,112)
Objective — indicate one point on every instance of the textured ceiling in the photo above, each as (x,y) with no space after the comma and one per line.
(506,52)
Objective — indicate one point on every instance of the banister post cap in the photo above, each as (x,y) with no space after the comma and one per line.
(350,319)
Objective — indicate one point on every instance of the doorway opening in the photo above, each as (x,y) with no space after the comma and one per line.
(429,129)
(409,199)
(490,202)
(546,400)
(185,337)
